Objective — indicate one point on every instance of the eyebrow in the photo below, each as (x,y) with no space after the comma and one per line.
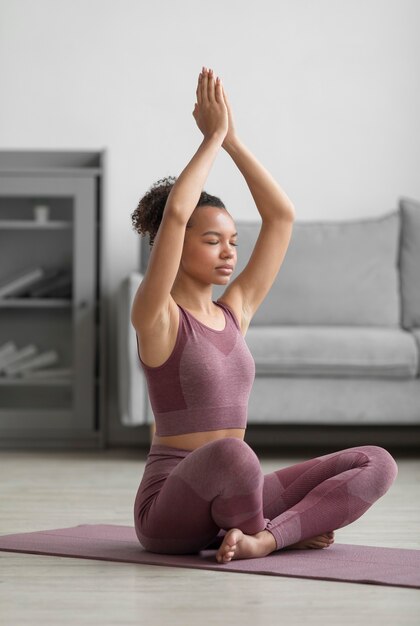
(213,232)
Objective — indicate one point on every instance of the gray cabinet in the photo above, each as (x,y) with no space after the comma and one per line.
(51,393)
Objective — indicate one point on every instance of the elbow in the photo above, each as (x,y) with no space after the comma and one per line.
(289,213)
(181,214)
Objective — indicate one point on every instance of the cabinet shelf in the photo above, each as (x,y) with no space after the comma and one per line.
(66,323)
(38,303)
(55,415)
(20,224)
(25,381)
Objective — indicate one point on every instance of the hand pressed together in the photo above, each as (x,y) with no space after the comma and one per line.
(211,111)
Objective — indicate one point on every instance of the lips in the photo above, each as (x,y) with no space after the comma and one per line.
(225,267)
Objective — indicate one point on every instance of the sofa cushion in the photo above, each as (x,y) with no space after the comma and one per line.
(132,392)
(334,273)
(416,334)
(410,263)
(334,352)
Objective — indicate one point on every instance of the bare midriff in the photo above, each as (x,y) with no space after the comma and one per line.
(191,441)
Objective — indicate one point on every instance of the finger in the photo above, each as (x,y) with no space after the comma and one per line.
(219,91)
(224,95)
(198,90)
(204,87)
(211,88)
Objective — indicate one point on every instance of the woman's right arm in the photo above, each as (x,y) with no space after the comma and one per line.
(151,301)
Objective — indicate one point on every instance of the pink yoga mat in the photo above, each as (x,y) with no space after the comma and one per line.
(398,567)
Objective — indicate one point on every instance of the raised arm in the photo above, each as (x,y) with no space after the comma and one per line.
(251,286)
(151,301)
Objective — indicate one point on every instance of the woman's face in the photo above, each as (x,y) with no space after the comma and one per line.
(205,251)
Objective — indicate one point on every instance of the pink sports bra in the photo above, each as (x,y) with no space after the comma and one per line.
(206,381)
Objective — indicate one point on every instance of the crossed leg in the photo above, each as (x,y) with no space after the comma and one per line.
(307,501)
(221,486)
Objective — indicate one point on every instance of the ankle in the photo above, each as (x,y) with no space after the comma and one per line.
(268,539)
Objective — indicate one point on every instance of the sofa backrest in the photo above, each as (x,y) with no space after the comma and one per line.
(410,262)
(363,272)
(334,273)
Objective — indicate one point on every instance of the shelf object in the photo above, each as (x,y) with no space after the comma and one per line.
(61,410)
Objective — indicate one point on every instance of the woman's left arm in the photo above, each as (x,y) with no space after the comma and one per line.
(271,201)
(251,286)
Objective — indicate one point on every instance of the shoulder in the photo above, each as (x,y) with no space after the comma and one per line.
(161,327)
(233,301)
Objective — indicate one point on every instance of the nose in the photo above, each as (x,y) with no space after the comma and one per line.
(229,254)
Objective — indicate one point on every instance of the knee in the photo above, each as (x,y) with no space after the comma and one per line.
(232,449)
(386,468)
(236,457)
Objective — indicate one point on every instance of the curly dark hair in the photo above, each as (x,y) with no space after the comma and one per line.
(148,215)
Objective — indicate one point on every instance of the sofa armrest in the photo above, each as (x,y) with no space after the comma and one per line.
(416,333)
(409,263)
(132,390)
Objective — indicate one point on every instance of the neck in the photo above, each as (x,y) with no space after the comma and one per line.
(199,298)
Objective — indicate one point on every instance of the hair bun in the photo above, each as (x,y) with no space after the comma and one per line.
(148,214)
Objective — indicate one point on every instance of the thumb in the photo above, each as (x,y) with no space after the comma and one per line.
(225,98)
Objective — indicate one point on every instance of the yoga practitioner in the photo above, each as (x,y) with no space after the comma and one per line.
(203,486)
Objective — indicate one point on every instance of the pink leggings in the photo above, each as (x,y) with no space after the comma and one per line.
(188,499)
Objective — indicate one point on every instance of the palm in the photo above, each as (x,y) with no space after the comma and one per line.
(231,133)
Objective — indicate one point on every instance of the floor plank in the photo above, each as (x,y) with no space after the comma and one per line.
(52,489)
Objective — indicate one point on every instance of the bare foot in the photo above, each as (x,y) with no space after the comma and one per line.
(238,545)
(320,541)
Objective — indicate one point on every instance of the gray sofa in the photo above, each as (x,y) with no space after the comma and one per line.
(336,341)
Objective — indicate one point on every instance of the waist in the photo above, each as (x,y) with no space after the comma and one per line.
(200,419)
(192,441)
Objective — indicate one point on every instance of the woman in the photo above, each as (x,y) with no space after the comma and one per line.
(203,486)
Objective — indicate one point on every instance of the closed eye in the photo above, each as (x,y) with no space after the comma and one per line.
(214,243)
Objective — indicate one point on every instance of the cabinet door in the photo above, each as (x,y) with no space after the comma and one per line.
(78,195)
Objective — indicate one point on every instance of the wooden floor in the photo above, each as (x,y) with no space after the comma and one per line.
(47,489)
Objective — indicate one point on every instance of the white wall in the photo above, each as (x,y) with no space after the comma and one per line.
(324,92)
